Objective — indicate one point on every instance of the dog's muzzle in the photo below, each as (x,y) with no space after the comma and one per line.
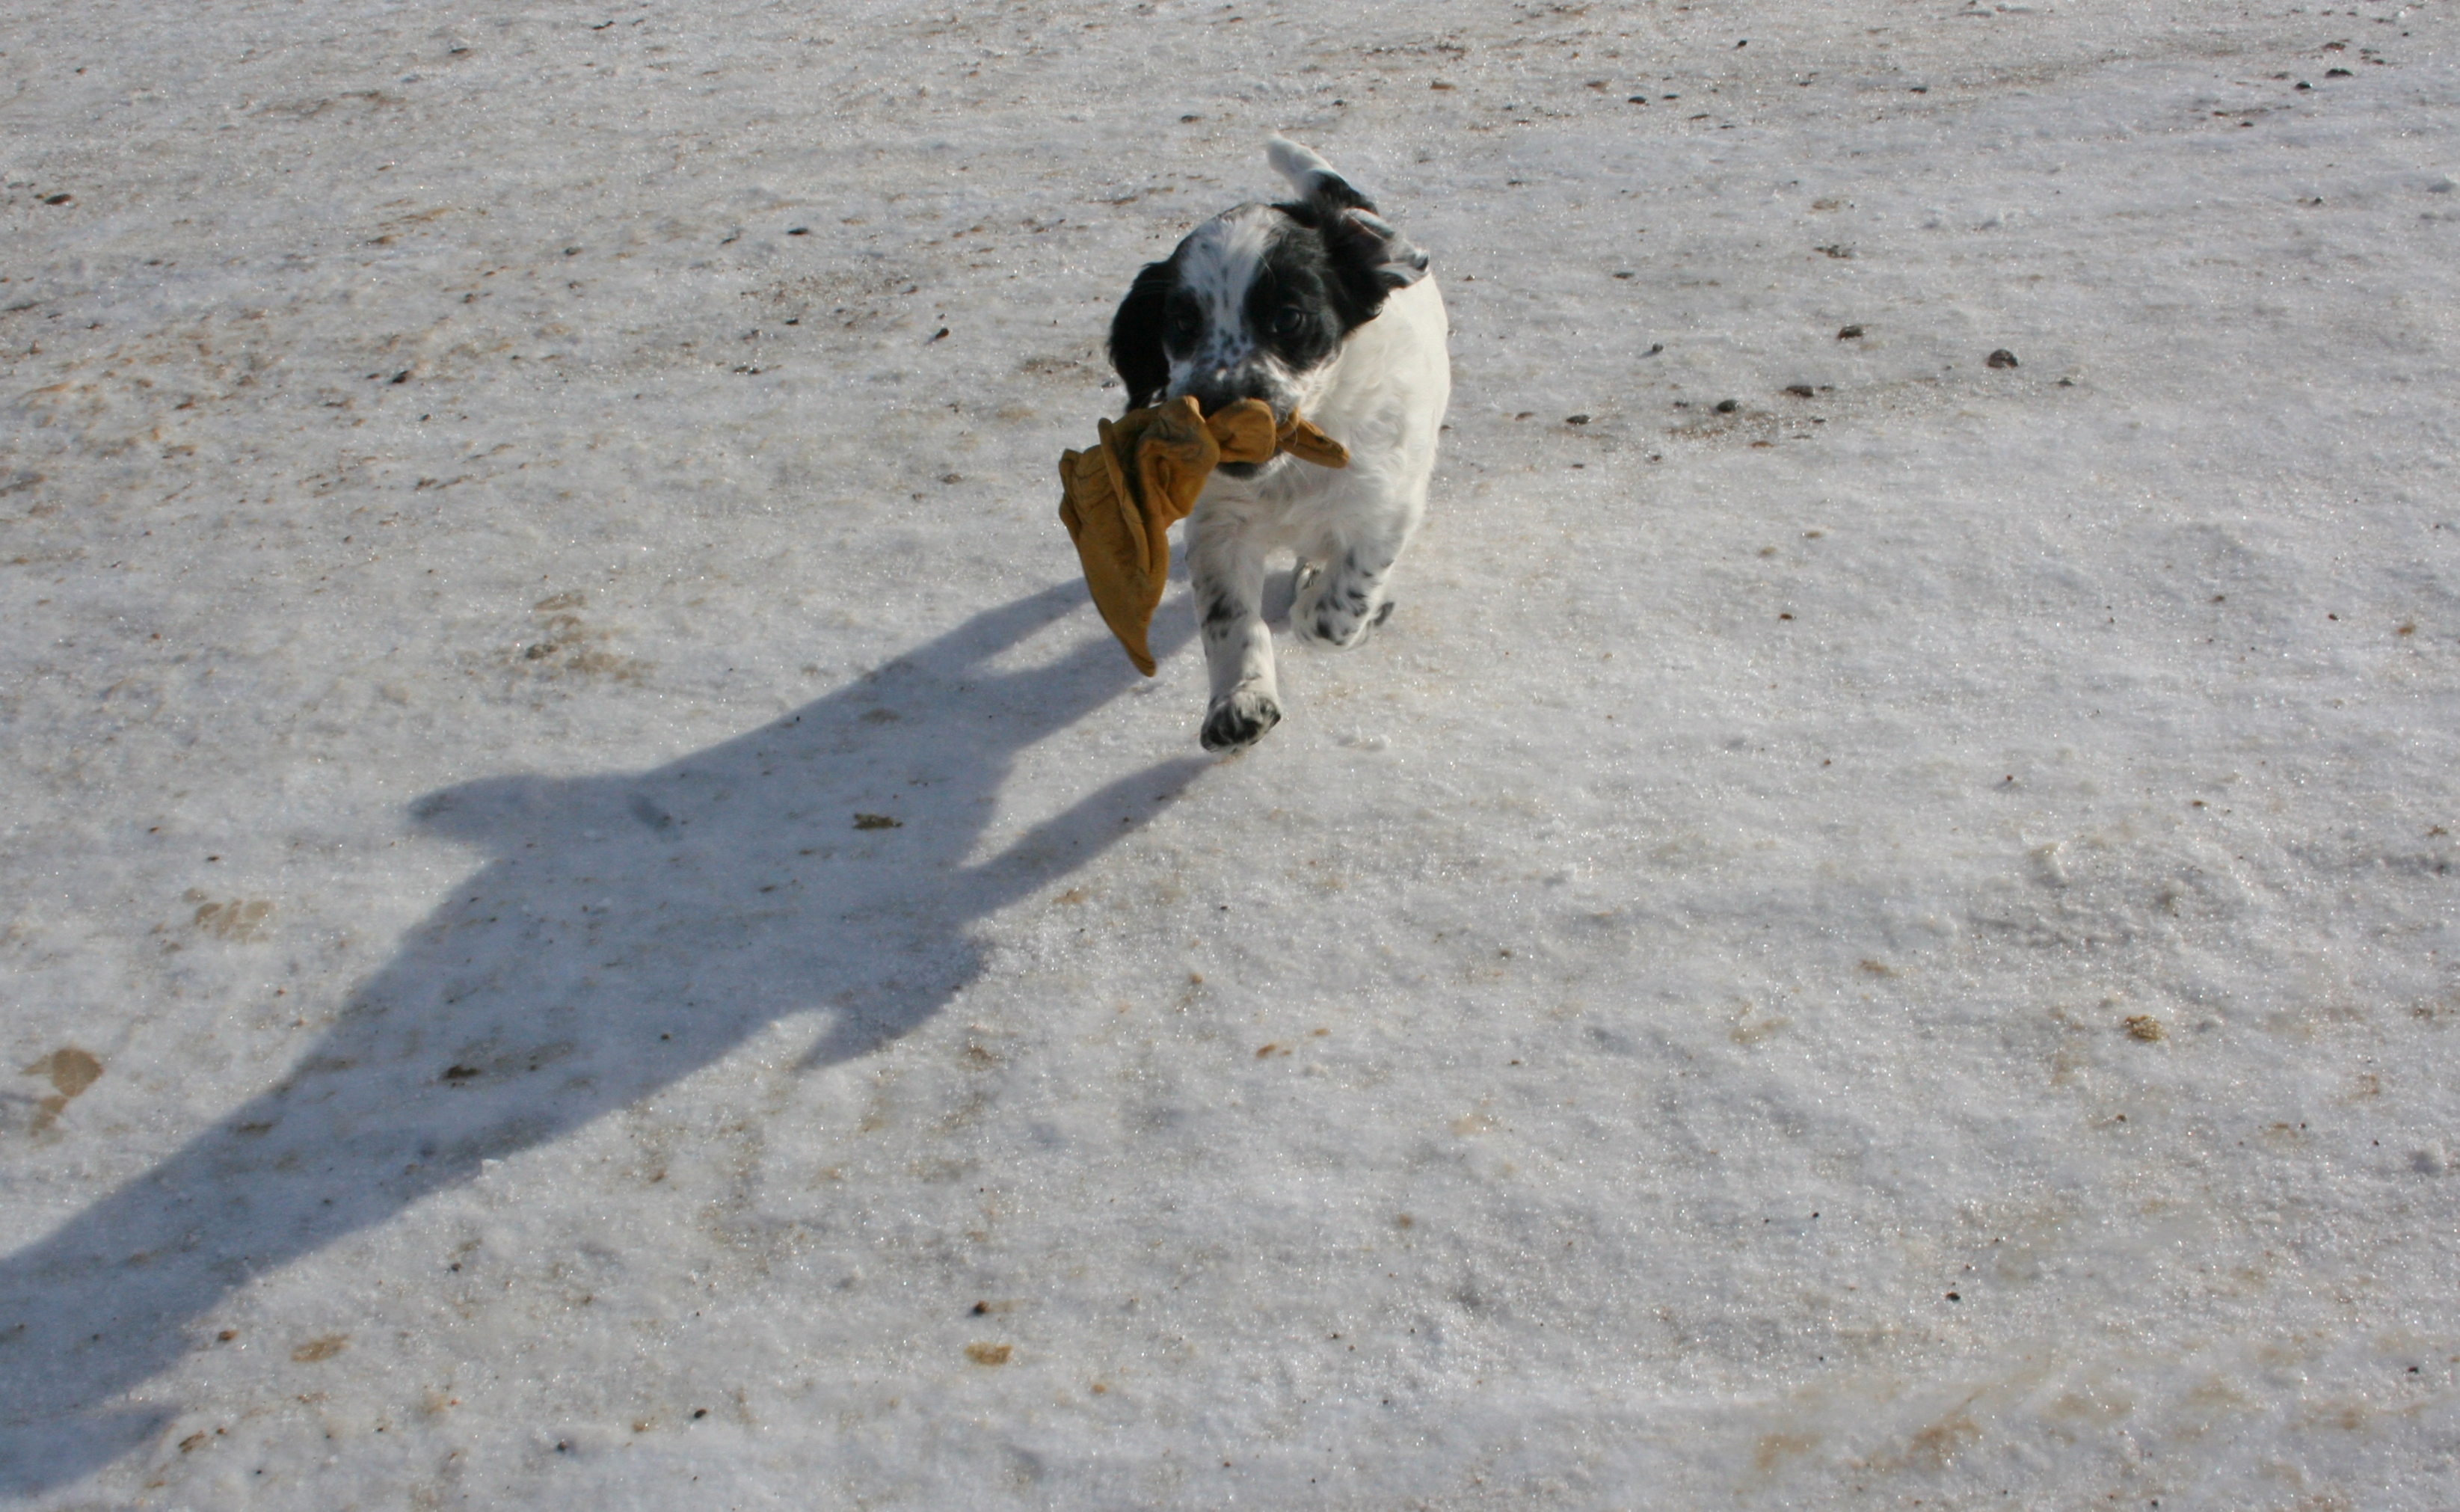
(1219,392)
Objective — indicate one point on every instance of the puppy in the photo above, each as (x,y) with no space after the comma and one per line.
(1315,304)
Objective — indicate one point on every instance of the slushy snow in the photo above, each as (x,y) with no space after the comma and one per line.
(592,919)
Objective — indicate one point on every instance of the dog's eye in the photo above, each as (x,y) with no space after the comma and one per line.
(1180,326)
(1290,322)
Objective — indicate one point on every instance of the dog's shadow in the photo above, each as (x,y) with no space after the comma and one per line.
(625,931)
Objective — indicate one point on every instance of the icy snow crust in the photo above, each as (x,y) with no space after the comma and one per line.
(1893,945)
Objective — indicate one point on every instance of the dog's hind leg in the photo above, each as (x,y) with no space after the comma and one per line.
(1228,574)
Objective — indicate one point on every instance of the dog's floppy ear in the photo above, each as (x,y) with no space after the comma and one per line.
(1365,239)
(1371,258)
(1135,335)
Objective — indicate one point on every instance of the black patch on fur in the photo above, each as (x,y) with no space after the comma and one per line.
(1359,254)
(1137,333)
(1301,306)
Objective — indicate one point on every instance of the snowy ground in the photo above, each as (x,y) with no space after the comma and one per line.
(1888,948)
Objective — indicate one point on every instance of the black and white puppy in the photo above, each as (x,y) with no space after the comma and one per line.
(1318,306)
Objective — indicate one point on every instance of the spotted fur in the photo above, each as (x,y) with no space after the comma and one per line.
(1316,305)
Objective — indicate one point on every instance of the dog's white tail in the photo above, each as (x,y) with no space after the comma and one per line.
(1310,176)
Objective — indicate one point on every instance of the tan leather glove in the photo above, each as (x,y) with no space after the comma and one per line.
(1119,499)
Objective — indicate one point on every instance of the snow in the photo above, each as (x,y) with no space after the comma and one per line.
(1892,946)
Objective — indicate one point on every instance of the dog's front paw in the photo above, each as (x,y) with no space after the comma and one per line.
(1240,720)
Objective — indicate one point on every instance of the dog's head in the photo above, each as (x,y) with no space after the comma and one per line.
(1256,303)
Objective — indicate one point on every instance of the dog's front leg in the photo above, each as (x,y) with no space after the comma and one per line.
(1227,570)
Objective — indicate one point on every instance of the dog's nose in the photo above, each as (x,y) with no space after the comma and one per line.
(1216,391)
